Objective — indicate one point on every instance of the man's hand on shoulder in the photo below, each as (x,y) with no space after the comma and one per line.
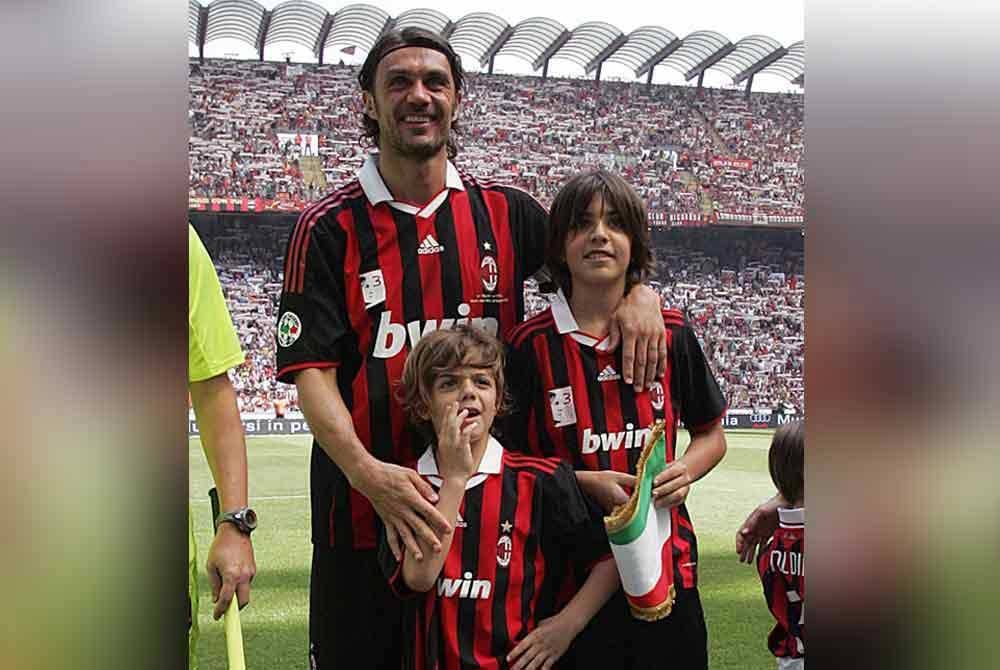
(637,325)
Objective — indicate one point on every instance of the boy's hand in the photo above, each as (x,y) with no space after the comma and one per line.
(607,488)
(671,487)
(454,453)
(757,530)
(545,645)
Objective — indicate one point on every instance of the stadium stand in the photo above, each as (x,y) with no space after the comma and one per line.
(714,155)
(271,137)
(743,290)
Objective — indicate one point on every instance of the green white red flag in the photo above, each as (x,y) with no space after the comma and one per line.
(640,536)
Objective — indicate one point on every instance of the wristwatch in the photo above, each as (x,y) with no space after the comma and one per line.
(245,520)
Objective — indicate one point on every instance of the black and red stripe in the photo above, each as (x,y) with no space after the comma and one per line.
(606,410)
(463,632)
(343,237)
(783,640)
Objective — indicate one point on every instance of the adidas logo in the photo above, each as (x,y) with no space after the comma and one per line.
(429,246)
(608,374)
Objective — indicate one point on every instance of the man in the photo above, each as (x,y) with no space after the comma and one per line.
(213,348)
(408,247)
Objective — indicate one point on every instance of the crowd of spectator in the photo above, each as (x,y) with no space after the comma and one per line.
(742,290)
(248,258)
(712,153)
(744,294)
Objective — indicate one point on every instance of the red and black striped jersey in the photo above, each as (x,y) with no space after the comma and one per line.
(366,277)
(782,569)
(518,525)
(571,402)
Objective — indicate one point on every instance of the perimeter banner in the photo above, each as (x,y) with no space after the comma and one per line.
(737,418)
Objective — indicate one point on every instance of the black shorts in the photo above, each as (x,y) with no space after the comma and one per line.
(616,639)
(354,618)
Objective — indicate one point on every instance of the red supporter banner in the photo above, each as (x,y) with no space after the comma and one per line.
(739,163)
(660,219)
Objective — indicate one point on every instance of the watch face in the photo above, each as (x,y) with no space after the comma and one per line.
(250,517)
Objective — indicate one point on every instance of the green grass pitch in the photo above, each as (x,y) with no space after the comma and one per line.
(275,623)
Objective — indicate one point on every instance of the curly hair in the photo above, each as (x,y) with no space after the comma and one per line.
(399,39)
(441,351)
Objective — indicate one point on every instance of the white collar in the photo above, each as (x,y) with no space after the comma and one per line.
(377,192)
(566,323)
(489,465)
(792,517)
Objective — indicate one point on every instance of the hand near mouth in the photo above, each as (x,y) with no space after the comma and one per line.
(454,453)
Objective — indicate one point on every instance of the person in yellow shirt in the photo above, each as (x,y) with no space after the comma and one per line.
(213,349)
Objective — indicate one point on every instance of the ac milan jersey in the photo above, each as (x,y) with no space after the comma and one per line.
(366,277)
(781,565)
(517,526)
(571,402)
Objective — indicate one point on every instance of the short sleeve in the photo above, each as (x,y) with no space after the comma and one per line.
(692,383)
(313,329)
(213,345)
(529,229)
(575,524)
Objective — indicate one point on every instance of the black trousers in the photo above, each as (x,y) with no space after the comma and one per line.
(616,639)
(354,618)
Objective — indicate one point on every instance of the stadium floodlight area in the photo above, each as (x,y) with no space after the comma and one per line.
(535,41)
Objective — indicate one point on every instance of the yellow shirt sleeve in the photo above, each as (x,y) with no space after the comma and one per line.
(213,345)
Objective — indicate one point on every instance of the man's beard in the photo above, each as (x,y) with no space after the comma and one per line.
(418,151)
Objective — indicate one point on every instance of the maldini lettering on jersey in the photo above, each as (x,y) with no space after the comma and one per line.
(788,563)
(630,438)
(391,337)
(464,588)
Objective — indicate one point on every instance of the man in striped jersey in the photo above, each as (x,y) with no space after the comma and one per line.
(572,403)
(408,247)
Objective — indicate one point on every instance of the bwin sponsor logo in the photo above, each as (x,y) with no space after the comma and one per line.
(630,438)
(464,588)
(392,337)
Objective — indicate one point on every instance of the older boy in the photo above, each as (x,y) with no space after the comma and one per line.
(598,248)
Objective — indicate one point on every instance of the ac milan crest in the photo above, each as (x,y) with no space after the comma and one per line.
(504,551)
(489,273)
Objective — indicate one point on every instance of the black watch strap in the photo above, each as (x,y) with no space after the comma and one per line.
(245,520)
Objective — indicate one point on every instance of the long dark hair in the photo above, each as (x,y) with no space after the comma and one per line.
(567,214)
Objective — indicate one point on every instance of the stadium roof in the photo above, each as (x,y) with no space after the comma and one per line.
(484,35)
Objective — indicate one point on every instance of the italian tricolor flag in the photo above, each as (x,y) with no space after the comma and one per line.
(640,538)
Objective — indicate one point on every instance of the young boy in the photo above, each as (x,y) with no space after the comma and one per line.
(571,402)
(487,599)
(781,562)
